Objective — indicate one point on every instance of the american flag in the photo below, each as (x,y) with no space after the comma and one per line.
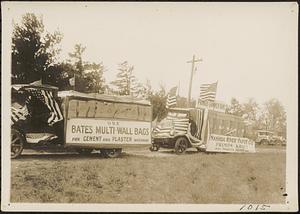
(48,99)
(208,92)
(179,124)
(171,100)
(19,114)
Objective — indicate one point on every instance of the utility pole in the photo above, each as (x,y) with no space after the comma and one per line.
(74,88)
(193,61)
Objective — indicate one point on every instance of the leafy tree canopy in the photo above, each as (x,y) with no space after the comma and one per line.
(88,76)
(34,51)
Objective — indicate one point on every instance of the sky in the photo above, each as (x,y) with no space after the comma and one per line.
(249,48)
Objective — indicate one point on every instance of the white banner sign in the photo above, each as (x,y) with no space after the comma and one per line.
(222,143)
(105,131)
(215,106)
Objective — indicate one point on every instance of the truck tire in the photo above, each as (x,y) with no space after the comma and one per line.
(181,145)
(84,151)
(200,149)
(154,148)
(111,153)
(278,142)
(264,142)
(17,143)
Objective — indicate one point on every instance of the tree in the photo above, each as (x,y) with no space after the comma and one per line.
(158,101)
(274,116)
(93,77)
(235,108)
(148,91)
(140,90)
(88,76)
(250,110)
(76,57)
(34,51)
(58,75)
(126,83)
(182,102)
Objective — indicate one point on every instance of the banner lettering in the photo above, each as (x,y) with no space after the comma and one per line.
(105,131)
(222,143)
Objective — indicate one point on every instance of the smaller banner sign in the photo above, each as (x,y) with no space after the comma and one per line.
(215,106)
(222,143)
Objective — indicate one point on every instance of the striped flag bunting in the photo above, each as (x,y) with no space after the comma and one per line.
(48,99)
(199,122)
(172,97)
(19,114)
(162,130)
(181,125)
(179,122)
(208,92)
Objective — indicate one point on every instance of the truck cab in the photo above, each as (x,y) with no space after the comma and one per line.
(182,128)
(36,118)
(265,137)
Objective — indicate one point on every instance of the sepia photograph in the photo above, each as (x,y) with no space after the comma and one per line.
(149,106)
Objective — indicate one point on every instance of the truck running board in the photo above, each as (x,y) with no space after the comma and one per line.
(38,137)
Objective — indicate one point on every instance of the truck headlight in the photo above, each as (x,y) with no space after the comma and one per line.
(172,132)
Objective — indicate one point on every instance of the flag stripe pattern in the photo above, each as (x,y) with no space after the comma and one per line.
(199,122)
(180,122)
(19,114)
(172,98)
(208,92)
(48,99)
(180,125)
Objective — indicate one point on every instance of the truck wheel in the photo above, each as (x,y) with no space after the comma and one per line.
(264,142)
(84,151)
(200,149)
(278,142)
(154,148)
(17,143)
(111,153)
(181,145)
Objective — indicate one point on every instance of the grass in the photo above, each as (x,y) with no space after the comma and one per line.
(191,178)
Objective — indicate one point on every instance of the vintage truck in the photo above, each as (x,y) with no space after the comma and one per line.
(184,128)
(265,137)
(43,118)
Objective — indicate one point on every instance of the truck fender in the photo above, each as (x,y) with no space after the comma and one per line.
(185,136)
(189,140)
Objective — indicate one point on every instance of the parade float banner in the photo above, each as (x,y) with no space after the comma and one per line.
(215,106)
(222,143)
(107,131)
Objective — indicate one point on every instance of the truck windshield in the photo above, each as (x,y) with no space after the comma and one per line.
(265,133)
